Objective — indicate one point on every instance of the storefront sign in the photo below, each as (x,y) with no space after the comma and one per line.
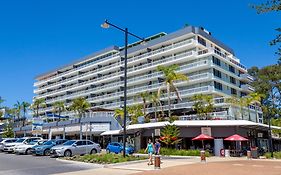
(206,131)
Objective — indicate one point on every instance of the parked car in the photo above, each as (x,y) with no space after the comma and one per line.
(9,147)
(45,148)
(75,147)
(27,148)
(116,147)
(6,141)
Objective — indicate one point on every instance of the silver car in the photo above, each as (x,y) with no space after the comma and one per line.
(75,147)
(6,141)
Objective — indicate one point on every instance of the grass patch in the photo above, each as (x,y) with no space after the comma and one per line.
(276,155)
(104,158)
(175,152)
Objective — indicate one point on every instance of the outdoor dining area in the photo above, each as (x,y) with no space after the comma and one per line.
(233,150)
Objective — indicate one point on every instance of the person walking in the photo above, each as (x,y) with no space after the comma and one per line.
(150,149)
(157,147)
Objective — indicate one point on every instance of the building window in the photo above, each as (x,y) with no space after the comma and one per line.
(231,69)
(233,91)
(217,73)
(201,41)
(216,61)
(243,94)
(218,85)
(232,80)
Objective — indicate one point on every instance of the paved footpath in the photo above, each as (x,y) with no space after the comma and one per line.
(142,167)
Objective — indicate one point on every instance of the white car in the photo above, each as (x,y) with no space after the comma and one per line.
(9,147)
(6,141)
(27,148)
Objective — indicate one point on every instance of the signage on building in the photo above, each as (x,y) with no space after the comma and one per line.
(157,132)
(100,127)
(206,131)
(260,135)
(37,126)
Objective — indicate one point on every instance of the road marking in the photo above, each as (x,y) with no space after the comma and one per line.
(237,164)
(257,165)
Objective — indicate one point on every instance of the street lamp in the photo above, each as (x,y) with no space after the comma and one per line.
(106,25)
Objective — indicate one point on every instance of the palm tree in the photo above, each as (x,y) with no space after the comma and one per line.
(58,107)
(170,75)
(18,108)
(144,96)
(25,106)
(241,102)
(155,100)
(119,113)
(37,104)
(80,105)
(256,99)
(203,105)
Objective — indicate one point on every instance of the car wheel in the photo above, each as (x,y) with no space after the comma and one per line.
(107,151)
(47,152)
(67,153)
(93,151)
(28,151)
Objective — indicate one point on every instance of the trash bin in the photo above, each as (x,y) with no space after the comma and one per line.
(226,153)
(157,162)
(203,156)
(254,153)
(249,156)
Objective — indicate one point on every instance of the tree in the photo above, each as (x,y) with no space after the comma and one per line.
(203,105)
(144,96)
(80,105)
(240,102)
(134,112)
(1,101)
(155,100)
(271,6)
(18,108)
(8,129)
(58,107)
(267,83)
(25,106)
(170,135)
(37,104)
(253,98)
(170,76)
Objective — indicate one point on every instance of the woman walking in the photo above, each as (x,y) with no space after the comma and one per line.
(150,150)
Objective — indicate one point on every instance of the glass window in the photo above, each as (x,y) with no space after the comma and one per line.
(231,69)
(79,143)
(70,142)
(218,85)
(233,91)
(201,41)
(232,80)
(217,73)
(216,61)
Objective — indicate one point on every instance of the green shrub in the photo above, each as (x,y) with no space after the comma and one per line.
(175,152)
(276,155)
(104,158)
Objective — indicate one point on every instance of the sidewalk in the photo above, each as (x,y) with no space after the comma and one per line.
(133,168)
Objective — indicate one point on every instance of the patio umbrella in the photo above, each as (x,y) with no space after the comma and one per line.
(203,137)
(235,137)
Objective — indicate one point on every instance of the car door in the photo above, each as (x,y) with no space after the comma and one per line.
(90,146)
(80,147)
(116,147)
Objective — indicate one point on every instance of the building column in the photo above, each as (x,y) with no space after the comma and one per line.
(63,136)
(81,133)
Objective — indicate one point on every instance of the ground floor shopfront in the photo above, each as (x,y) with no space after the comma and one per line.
(257,134)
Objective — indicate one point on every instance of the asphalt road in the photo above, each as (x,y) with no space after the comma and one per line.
(11,164)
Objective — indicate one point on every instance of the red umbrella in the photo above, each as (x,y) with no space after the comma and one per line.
(203,137)
(236,137)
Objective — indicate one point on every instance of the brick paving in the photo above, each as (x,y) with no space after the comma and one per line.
(241,167)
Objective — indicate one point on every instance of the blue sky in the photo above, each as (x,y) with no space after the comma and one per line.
(38,36)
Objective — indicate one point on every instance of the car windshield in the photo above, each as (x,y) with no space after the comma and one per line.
(50,142)
(70,142)
(32,143)
(20,140)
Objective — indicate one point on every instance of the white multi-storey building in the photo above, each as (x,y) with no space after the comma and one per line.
(211,66)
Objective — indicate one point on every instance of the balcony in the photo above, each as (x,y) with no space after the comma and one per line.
(246,77)
(247,88)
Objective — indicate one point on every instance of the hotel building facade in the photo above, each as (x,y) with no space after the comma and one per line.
(211,68)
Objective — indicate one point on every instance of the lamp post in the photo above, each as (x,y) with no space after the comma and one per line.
(269,124)
(106,25)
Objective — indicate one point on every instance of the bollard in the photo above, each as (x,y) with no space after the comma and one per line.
(203,156)
(157,162)
(249,156)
